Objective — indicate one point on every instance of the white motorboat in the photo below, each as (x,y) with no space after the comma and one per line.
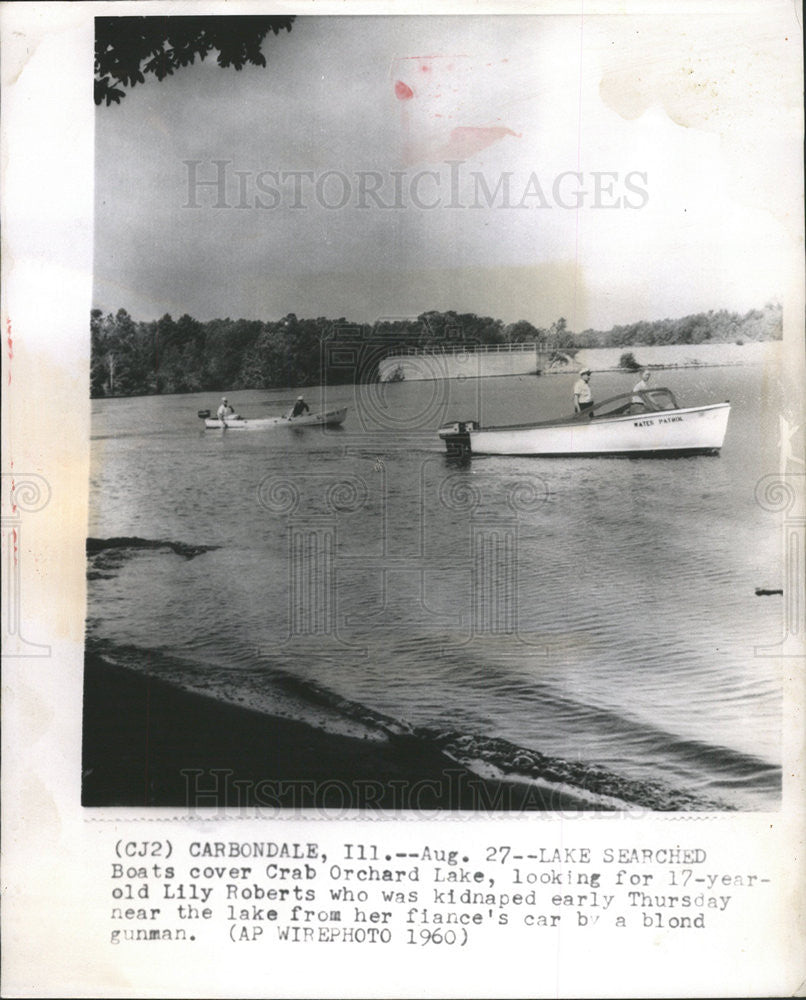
(648,422)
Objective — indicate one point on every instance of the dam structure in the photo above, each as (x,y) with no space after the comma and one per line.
(456,361)
(538,358)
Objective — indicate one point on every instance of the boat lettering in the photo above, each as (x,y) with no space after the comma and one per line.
(670,420)
(643,423)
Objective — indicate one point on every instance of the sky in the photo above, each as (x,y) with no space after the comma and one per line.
(605,169)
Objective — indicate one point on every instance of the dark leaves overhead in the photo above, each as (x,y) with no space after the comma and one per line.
(127,49)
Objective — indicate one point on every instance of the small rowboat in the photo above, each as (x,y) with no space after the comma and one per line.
(648,422)
(329,419)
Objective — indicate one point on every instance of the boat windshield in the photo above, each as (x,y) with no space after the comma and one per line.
(660,399)
(644,401)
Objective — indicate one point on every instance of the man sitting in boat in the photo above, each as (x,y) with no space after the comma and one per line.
(638,405)
(300,407)
(224,410)
(583,397)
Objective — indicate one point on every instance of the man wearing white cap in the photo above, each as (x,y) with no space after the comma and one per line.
(583,397)
(224,410)
(300,407)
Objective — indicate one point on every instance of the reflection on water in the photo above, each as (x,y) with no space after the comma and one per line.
(600,611)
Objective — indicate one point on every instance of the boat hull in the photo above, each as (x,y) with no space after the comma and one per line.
(329,419)
(692,430)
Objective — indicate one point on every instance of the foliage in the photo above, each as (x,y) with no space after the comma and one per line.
(129,48)
(558,358)
(627,361)
(717,327)
(185,355)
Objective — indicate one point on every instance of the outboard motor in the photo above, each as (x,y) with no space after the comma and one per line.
(203,414)
(456,436)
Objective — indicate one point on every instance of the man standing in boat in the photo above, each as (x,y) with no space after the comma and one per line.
(646,375)
(638,405)
(300,407)
(583,397)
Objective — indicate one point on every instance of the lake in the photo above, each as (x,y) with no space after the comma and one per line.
(588,622)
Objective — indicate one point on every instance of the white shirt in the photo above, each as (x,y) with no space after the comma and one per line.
(583,391)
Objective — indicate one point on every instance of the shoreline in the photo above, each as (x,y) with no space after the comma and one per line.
(456,363)
(744,354)
(149,743)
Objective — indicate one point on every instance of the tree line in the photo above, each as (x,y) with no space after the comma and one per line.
(130,358)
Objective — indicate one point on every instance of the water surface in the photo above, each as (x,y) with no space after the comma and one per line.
(600,612)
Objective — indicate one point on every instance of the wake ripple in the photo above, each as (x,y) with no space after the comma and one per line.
(591,784)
